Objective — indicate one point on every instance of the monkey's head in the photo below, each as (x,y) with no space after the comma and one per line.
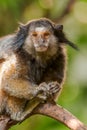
(41,36)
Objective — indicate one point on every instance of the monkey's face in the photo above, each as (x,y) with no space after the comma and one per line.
(41,37)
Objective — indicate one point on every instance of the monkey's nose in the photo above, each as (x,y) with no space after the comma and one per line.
(41,41)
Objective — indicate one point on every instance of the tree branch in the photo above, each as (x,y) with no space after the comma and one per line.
(6,122)
(52,110)
(60,114)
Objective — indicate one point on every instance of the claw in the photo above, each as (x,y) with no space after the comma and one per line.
(54,87)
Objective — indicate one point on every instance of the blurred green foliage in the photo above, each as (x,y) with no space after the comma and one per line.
(74,94)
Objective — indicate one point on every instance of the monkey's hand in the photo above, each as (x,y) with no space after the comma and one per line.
(49,90)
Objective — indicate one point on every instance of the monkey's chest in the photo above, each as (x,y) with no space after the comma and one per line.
(36,72)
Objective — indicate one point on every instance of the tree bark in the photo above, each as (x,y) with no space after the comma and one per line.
(60,114)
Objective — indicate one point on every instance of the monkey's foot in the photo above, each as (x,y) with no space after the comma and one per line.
(21,115)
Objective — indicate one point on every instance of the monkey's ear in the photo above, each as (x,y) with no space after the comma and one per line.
(59,27)
(21,26)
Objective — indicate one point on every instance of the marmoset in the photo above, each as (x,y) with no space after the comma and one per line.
(32,67)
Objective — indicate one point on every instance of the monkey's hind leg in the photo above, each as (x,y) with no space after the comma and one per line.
(21,115)
(25,109)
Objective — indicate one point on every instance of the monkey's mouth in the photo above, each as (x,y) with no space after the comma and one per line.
(41,48)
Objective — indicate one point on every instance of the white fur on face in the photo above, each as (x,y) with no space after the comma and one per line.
(28,46)
(31,42)
(40,29)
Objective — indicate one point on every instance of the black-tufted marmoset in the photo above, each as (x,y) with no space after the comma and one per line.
(32,67)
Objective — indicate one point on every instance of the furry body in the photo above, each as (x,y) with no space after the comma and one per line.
(32,67)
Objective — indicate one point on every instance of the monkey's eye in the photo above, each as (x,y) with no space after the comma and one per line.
(34,34)
(46,34)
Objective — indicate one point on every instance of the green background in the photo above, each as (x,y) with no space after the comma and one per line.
(74,94)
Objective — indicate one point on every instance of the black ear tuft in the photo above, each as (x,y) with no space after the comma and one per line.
(20,37)
(62,38)
(21,26)
(23,29)
(72,44)
(59,27)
